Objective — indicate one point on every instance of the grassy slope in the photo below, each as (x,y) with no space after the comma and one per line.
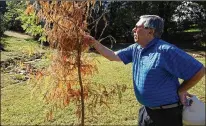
(17,47)
(18,109)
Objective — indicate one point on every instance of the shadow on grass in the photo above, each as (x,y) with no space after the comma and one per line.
(3,43)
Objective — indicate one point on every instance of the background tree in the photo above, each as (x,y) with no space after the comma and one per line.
(14,10)
(189,18)
(3,22)
(2,17)
(32,26)
(120,17)
(124,15)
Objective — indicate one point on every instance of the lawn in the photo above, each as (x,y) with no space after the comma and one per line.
(17,108)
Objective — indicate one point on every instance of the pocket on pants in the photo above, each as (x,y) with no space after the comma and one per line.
(144,118)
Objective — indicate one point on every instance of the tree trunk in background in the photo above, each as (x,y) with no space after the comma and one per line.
(163,12)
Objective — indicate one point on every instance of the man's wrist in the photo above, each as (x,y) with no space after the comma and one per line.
(180,90)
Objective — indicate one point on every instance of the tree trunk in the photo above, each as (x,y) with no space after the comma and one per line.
(80,77)
(163,10)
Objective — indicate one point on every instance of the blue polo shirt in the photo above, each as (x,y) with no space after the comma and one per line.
(156,69)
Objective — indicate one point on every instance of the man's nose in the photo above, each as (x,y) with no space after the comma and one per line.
(134,29)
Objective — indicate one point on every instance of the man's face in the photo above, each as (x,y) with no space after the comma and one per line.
(140,33)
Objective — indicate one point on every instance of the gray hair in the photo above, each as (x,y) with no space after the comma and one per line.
(154,22)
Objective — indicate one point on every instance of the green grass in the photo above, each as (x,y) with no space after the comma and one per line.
(18,109)
(202,60)
(17,47)
(193,30)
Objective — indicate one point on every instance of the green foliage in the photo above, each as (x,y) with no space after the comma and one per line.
(14,9)
(3,23)
(31,26)
(16,19)
(124,15)
(193,30)
(188,14)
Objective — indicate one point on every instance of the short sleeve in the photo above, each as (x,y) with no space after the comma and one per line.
(126,54)
(181,64)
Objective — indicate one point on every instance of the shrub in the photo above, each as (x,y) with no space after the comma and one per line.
(31,26)
(14,9)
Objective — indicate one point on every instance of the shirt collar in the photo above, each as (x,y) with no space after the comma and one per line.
(149,44)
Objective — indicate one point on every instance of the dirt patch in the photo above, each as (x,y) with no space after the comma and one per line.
(18,69)
(196,54)
(17,35)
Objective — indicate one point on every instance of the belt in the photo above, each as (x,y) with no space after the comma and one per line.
(166,106)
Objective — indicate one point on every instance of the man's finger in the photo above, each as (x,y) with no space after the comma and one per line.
(190,102)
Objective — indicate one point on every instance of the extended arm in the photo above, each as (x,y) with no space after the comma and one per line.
(107,53)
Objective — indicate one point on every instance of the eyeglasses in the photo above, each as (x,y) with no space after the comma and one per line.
(136,27)
(143,27)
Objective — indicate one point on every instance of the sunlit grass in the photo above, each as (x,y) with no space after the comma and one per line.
(193,30)
(17,47)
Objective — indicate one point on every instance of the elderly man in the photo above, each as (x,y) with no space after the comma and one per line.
(157,65)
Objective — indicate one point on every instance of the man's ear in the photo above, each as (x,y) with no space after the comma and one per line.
(151,31)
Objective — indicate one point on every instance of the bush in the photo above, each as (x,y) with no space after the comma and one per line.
(18,20)
(14,10)
(2,24)
(31,26)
